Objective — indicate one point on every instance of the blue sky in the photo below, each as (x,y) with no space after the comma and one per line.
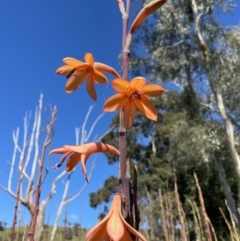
(35,37)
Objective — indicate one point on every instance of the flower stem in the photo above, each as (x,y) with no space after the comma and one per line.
(124,179)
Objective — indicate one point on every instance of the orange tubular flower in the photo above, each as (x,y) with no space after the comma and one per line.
(133,95)
(113,227)
(77,71)
(81,153)
(145,12)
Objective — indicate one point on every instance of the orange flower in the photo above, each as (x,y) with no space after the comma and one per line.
(133,95)
(77,71)
(81,153)
(113,227)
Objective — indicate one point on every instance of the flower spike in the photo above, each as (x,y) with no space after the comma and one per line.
(145,12)
(81,153)
(131,96)
(77,71)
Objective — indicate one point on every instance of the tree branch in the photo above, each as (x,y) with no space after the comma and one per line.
(83,139)
(16,148)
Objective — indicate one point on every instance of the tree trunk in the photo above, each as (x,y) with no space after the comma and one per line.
(227,191)
(40,223)
(229,129)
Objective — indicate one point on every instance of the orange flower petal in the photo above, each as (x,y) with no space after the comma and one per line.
(101,147)
(138,82)
(100,234)
(89,59)
(77,148)
(140,106)
(83,66)
(91,88)
(129,114)
(126,236)
(72,161)
(64,70)
(92,147)
(75,80)
(146,107)
(72,61)
(120,85)
(84,159)
(116,203)
(92,233)
(115,102)
(106,69)
(152,90)
(132,230)
(115,228)
(61,150)
(98,77)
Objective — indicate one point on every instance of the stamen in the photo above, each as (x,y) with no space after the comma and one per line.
(59,164)
(70,74)
(135,94)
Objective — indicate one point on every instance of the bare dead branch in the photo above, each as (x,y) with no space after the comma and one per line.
(204,213)
(105,133)
(163,217)
(83,139)
(179,208)
(18,194)
(54,187)
(16,148)
(93,126)
(11,193)
(84,186)
(26,121)
(32,144)
(31,141)
(41,163)
(36,152)
(174,45)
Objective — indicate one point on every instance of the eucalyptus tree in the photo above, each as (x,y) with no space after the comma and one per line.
(191,51)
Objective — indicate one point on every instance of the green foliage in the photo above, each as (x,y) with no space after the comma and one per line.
(1,226)
(179,140)
(103,194)
(46,234)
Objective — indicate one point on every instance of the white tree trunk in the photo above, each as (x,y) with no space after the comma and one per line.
(223,114)
(227,191)
(40,224)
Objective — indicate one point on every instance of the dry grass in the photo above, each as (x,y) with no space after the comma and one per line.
(4,235)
